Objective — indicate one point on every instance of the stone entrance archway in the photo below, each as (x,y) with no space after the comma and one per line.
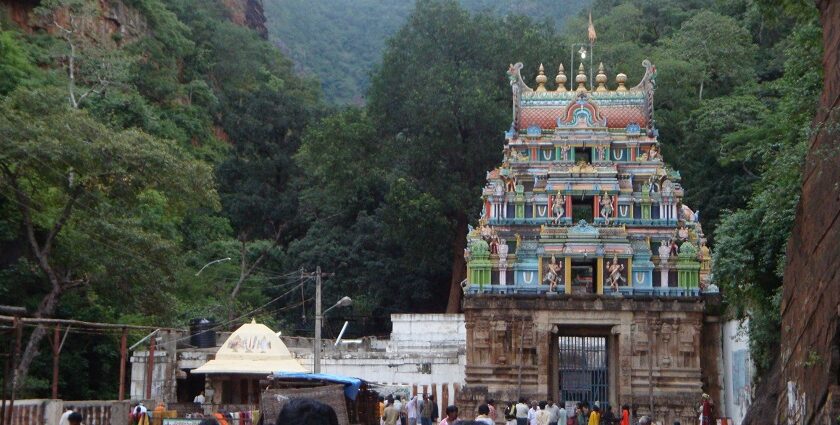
(583,369)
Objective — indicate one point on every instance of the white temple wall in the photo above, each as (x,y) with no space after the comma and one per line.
(737,370)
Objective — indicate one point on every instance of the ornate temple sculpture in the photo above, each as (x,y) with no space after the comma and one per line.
(585,194)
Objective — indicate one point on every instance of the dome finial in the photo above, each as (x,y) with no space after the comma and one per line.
(581,78)
(601,78)
(541,79)
(621,78)
(561,79)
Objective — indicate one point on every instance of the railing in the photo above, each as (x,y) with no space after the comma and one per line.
(623,291)
(597,222)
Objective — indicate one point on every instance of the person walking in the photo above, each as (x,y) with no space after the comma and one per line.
(562,415)
(542,414)
(595,416)
(426,411)
(706,410)
(411,411)
(391,414)
(625,415)
(451,416)
(491,404)
(435,410)
(74,418)
(510,413)
(521,412)
(63,420)
(484,415)
(554,413)
(381,405)
(608,418)
(582,414)
(532,413)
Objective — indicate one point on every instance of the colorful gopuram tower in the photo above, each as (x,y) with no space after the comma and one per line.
(583,201)
(587,276)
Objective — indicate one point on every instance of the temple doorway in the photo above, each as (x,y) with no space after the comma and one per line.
(583,155)
(583,209)
(583,369)
(583,276)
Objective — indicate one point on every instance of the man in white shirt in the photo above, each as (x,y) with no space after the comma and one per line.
(554,412)
(64,416)
(411,411)
(542,414)
(484,415)
(562,415)
(521,412)
(532,413)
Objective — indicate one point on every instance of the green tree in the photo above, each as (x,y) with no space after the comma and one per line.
(15,65)
(751,241)
(80,184)
(716,45)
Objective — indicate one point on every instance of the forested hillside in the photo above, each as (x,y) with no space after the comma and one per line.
(339,42)
(138,149)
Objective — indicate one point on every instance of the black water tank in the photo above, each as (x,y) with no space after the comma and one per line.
(202,334)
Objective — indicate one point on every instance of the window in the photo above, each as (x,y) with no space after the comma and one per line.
(583,154)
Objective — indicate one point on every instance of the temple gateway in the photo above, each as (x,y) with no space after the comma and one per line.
(587,276)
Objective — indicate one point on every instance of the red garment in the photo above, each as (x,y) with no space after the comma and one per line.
(625,417)
(221,418)
(492,412)
(706,415)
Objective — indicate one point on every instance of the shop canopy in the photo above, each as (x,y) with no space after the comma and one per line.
(351,385)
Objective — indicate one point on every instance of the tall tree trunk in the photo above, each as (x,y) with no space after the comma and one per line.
(459,267)
(45,309)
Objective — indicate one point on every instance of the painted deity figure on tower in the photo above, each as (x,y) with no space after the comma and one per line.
(614,269)
(606,207)
(552,274)
(653,153)
(558,208)
(664,251)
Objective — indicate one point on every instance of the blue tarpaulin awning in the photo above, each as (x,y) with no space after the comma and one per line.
(351,385)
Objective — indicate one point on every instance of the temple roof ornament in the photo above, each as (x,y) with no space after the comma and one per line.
(620,79)
(601,79)
(541,79)
(561,79)
(583,228)
(581,78)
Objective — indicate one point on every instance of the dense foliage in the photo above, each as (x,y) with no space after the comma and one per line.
(189,140)
(340,41)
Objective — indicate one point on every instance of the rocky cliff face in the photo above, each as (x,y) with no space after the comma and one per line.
(805,384)
(116,22)
(248,13)
(118,18)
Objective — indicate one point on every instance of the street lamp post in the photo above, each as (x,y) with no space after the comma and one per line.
(583,53)
(319,319)
(211,263)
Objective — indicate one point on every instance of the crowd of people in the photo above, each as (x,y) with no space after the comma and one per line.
(423,410)
(551,413)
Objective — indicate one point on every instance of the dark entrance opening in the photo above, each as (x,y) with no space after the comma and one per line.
(190,387)
(583,276)
(582,209)
(583,369)
(583,154)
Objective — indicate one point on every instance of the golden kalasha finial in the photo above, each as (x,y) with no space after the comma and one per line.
(541,79)
(601,78)
(581,78)
(561,79)
(621,78)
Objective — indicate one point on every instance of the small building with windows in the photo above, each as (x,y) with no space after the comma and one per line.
(588,278)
